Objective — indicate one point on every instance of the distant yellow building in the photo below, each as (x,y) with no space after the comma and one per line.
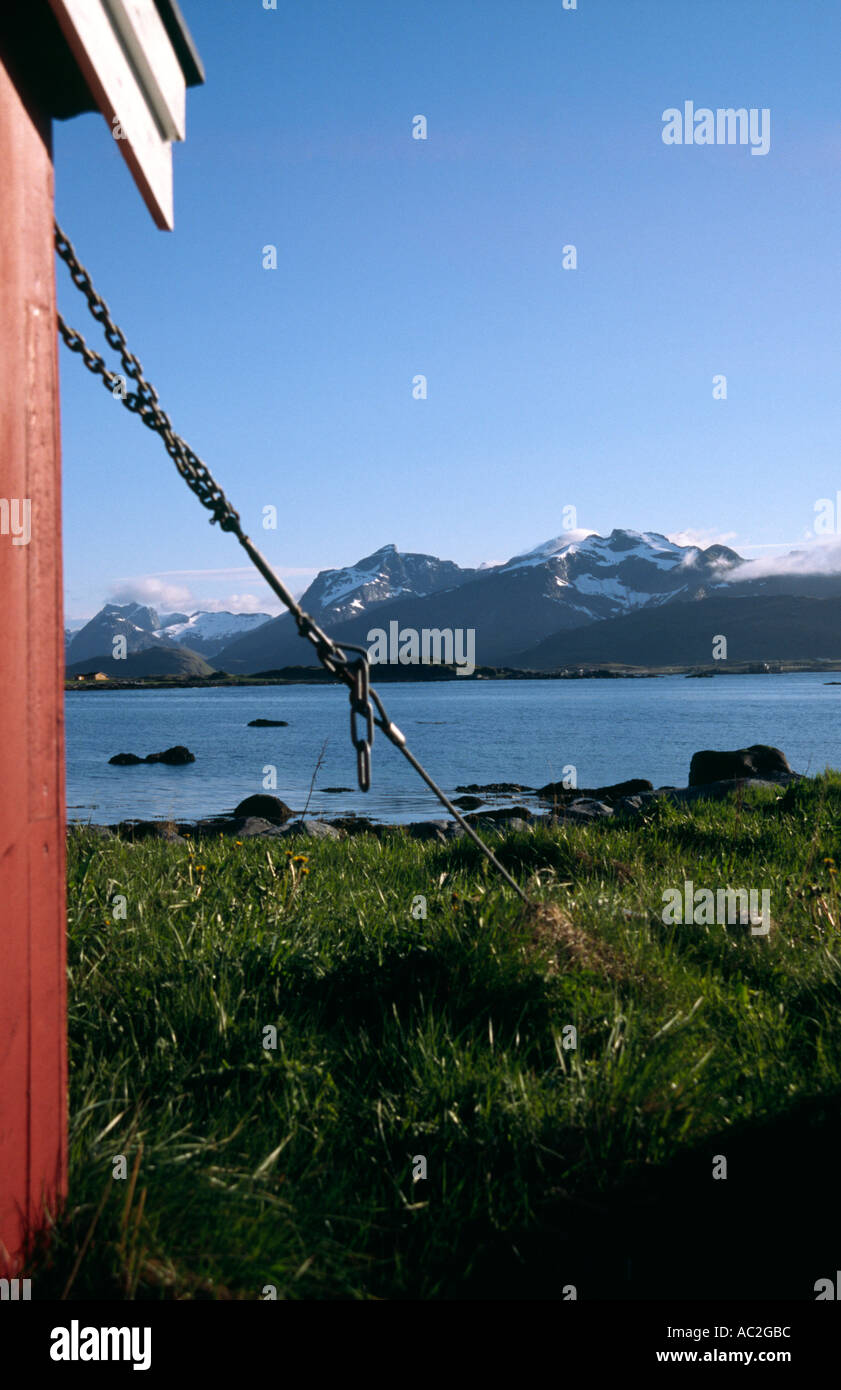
(93,676)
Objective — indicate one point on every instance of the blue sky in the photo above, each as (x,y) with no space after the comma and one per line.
(547,387)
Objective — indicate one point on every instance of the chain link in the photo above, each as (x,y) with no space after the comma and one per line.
(360,704)
(144,402)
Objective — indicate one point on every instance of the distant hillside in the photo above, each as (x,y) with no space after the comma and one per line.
(152,661)
(143,628)
(778,628)
(569,582)
(579,598)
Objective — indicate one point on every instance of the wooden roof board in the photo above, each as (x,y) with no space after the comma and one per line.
(34,47)
(153,60)
(123,50)
(182,41)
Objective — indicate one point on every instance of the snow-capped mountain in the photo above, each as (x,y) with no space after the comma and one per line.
(207,633)
(143,628)
(335,595)
(527,606)
(625,570)
(136,623)
(574,579)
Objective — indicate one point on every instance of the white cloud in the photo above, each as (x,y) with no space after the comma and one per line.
(159,591)
(149,589)
(701,538)
(152,591)
(823,557)
(240,603)
(233,569)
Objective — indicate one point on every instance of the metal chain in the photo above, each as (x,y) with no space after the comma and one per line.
(143,401)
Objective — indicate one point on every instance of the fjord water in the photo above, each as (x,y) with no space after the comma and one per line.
(463,731)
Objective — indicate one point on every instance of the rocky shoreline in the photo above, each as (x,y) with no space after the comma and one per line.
(713,776)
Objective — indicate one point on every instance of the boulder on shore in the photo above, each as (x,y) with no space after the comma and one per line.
(253,825)
(150,830)
(587,808)
(760,760)
(440,830)
(314,829)
(500,813)
(269,808)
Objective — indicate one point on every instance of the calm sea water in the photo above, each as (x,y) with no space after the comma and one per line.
(500,731)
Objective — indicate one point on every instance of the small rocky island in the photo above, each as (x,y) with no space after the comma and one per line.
(173,757)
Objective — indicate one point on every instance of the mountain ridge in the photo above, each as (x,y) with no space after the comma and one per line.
(569,581)
(143,628)
(522,610)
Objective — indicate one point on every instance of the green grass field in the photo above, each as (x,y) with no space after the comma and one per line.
(443,1037)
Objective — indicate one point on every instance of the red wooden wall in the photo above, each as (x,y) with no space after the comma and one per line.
(33,1092)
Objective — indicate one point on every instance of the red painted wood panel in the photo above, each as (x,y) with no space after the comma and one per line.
(33,1090)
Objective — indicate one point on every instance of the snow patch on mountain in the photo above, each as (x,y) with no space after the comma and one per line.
(212,626)
(547,550)
(610,587)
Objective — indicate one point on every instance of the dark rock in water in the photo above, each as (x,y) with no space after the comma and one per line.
(337,789)
(556,790)
(270,808)
(467,803)
(632,787)
(268,723)
(498,787)
(759,760)
(173,757)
